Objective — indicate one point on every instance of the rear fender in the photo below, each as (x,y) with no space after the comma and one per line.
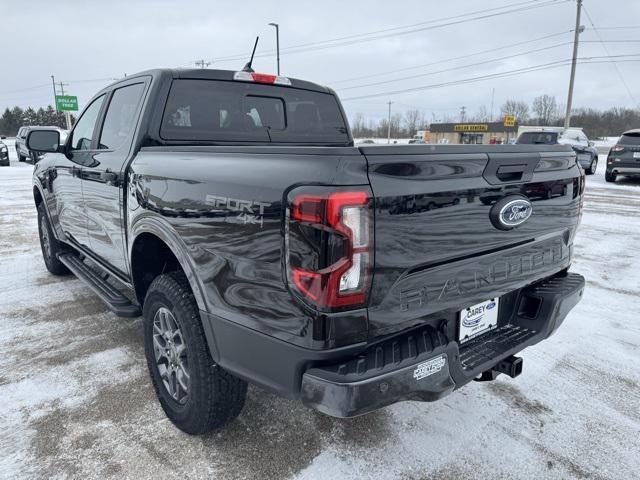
(164,231)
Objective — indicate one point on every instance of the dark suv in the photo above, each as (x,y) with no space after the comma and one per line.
(4,154)
(624,157)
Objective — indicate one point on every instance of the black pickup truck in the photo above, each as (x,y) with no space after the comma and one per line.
(232,210)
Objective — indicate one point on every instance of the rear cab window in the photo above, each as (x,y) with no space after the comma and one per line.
(226,111)
(538,138)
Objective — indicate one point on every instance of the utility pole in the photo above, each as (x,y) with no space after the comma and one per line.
(53,81)
(463,114)
(389,124)
(67,115)
(201,64)
(493,95)
(576,40)
(277,43)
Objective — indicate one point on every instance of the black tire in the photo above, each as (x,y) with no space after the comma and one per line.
(592,166)
(49,245)
(213,396)
(21,158)
(610,177)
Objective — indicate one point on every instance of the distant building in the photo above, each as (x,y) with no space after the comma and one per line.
(473,133)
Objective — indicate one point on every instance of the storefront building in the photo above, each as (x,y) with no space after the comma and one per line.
(473,133)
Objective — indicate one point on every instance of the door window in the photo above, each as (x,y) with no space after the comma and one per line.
(82,134)
(121,116)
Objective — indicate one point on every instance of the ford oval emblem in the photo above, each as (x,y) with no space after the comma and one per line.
(510,212)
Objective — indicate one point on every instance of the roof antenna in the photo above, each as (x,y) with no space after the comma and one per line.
(247,67)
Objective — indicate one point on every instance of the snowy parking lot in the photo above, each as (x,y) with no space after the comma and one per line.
(77,401)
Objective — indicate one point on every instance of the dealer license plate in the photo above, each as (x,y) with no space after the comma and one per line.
(478,319)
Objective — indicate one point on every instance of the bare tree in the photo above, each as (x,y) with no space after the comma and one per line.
(358,125)
(546,109)
(413,120)
(518,109)
(481,115)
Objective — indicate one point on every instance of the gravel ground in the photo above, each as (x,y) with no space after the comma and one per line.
(77,401)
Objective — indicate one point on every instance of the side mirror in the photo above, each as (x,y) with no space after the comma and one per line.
(591,144)
(46,141)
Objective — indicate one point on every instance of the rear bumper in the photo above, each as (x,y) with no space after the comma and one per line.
(423,364)
(623,170)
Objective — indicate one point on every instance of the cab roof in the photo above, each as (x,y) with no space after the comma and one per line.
(213,74)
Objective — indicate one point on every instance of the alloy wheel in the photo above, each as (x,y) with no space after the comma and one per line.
(171,355)
(44,231)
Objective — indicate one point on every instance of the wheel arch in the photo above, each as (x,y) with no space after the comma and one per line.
(158,236)
(38,198)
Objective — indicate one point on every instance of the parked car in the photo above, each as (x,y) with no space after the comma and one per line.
(624,156)
(586,153)
(262,250)
(23,152)
(4,154)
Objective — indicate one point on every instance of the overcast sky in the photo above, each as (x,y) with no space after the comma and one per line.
(85,44)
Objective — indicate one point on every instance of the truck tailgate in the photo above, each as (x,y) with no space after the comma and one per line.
(437,250)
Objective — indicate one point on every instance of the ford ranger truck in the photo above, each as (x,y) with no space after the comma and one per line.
(234,213)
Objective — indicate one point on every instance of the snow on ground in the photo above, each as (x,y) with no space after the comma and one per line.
(382,141)
(604,144)
(77,401)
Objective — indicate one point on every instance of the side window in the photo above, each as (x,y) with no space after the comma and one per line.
(82,134)
(121,116)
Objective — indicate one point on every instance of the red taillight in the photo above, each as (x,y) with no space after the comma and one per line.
(345,281)
(261,78)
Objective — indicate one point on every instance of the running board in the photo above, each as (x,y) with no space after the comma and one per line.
(115,300)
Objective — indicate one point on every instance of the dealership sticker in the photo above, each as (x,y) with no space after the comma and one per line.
(429,367)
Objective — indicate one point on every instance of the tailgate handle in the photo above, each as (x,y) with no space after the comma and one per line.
(510,167)
(510,173)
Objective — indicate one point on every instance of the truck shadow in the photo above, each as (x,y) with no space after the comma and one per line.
(276,437)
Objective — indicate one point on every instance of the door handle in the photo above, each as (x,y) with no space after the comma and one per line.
(109,177)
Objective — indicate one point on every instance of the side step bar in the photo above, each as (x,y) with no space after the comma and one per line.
(116,301)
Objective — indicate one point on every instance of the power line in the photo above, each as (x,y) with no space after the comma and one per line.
(372,36)
(459,67)
(450,59)
(35,87)
(606,50)
(518,71)
(627,27)
(608,41)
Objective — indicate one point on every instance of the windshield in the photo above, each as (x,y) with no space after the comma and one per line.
(538,138)
(210,110)
(630,139)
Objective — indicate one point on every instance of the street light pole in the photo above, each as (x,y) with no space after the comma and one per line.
(389,124)
(53,81)
(576,40)
(277,44)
